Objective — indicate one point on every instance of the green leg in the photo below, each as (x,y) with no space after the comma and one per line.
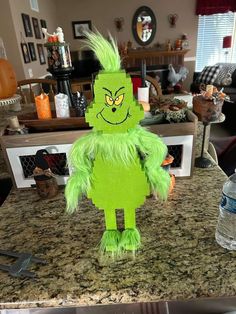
(111,237)
(130,239)
(130,222)
(110,219)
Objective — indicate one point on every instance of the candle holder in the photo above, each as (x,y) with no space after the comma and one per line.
(208,112)
(59,61)
(63,81)
(203,162)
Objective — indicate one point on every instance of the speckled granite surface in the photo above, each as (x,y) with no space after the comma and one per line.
(179,258)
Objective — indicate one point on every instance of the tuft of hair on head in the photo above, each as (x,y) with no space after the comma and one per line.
(106,51)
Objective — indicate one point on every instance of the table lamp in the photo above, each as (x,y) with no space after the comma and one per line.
(227,40)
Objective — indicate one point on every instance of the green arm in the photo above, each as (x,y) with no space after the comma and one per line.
(81,161)
(154,151)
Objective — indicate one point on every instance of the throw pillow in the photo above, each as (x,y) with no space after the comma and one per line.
(226,68)
(209,74)
(227,80)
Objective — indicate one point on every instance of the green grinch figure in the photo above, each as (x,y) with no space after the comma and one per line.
(118,163)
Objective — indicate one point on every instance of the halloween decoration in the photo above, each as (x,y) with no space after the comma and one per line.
(8,83)
(46,184)
(118,163)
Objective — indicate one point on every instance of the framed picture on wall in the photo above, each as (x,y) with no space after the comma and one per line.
(43,24)
(27,25)
(37,32)
(25,52)
(32,51)
(41,54)
(80,27)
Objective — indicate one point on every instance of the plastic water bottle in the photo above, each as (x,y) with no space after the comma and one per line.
(226,227)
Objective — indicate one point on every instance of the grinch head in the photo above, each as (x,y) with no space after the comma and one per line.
(114,108)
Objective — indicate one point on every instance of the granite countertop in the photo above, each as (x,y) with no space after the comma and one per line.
(179,258)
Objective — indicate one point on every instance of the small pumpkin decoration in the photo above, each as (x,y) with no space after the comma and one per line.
(8,83)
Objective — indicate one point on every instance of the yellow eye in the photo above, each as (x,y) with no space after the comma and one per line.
(109,100)
(119,100)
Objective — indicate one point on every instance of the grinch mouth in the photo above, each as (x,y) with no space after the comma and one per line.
(114,123)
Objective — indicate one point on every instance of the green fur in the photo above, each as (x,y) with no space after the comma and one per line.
(81,164)
(120,147)
(110,241)
(106,52)
(130,240)
(154,151)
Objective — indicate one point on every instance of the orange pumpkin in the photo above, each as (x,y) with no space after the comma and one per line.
(8,83)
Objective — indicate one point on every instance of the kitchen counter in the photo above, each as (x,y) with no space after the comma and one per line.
(179,258)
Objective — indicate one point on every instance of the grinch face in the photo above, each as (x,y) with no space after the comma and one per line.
(114,108)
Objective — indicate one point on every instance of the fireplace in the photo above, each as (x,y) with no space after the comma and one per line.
(159,72)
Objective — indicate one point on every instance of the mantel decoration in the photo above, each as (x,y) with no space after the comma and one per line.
(119,22)
(172,18)
(106,163)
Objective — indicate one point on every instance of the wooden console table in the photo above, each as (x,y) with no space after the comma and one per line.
(134,57)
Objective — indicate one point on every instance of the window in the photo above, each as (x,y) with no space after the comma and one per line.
(211,31)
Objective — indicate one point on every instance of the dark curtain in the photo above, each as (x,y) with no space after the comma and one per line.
(207,7)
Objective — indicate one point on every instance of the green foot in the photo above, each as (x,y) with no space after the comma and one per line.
(110,240)
(130,240)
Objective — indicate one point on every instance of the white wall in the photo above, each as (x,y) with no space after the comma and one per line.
(102,14)
(11,28)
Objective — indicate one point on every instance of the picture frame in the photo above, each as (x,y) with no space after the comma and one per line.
(186,145)
(32,51)
(27,25)
(37,32)
(79,27)
(25,52)
(43,24)
(42,59)
(34,5)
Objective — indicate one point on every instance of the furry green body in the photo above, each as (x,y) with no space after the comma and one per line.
(117,185)
(116,152)
(118,162)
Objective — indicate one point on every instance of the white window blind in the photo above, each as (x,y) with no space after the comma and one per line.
(211,31)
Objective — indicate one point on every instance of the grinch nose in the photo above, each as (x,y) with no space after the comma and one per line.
(113,109)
